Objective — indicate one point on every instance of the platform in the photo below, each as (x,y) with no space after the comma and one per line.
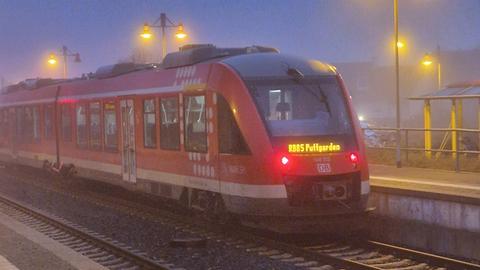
(442,184)
(6,265)
(427,209)
(24,248)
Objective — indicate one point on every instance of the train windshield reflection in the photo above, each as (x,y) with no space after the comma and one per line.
(311,107)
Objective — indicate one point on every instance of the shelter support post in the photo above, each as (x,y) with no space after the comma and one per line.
(428,125)
(460,115)
(453,126)
(459,123)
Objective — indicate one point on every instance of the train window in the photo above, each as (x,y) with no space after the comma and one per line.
(66,123)
(170,127)
(195,126)
(149,124)
(19,124)
(81,125)
(3,123)
(48,121)
(110,116)
(95,129)
(230,137)
(36,124)
(28,125)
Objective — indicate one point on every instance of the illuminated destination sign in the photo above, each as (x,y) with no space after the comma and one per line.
(313,148)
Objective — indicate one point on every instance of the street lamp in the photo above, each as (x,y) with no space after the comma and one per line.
(397,82)
(52,59)
(428,60)
(65,52)
(163,22)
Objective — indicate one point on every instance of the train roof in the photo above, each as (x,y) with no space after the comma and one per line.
(276,64)
(248,62)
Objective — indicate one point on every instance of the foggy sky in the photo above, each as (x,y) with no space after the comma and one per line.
(106,31)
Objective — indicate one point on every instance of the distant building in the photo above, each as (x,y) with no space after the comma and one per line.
(372,87)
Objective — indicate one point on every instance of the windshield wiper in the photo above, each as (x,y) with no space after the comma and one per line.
(321,97)
(298,77)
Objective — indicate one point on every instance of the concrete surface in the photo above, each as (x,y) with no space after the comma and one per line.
(6,265)
(29,249)
(433,210)
(444,182)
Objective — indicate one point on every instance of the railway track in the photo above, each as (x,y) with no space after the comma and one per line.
(353,255)
(384,256)
(335,255)
(105,251)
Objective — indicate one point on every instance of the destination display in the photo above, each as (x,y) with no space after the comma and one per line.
(314,148)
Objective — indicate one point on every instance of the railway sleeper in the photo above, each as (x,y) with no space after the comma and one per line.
(378,260)
(395,265)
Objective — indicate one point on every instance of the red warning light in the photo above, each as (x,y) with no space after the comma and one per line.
(353,157)
(284,160)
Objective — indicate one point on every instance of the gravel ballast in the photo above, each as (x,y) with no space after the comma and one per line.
(141,233)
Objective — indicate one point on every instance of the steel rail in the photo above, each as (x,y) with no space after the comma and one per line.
(99,242)
(437,260)
(136,208)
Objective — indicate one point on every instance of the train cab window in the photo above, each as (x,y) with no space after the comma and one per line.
(110,118)
(66,123)
(195,125)
(48,126)
(36,124)
(81,118)
(149,124)
(169,124)
(95,130)
(315,106)
(230,137)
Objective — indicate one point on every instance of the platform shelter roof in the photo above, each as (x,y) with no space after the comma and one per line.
(463,90)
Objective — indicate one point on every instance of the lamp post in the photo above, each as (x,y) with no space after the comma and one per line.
(163,22)
(428,60)
(397,82)
(65,53)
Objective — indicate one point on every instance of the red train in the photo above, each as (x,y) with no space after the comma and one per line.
(248,131)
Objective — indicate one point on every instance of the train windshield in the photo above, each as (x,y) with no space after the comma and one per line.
(307,107)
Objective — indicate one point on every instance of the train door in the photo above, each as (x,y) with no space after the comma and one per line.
(233,154)
(129,166)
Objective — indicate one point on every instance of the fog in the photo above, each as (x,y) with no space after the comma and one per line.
(348,33)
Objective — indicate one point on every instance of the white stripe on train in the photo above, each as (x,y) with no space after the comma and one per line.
(229,188)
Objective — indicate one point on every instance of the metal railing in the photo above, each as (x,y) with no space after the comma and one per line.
(388,141)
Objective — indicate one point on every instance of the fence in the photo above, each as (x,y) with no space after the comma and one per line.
(461,144)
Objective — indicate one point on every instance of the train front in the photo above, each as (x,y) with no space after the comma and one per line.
(317,150)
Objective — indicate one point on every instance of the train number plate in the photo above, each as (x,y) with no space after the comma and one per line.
(324,167)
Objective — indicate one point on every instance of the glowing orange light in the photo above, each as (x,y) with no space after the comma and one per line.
(427,60)
(400,44)
(52,60)
(180,33)
(146,32)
